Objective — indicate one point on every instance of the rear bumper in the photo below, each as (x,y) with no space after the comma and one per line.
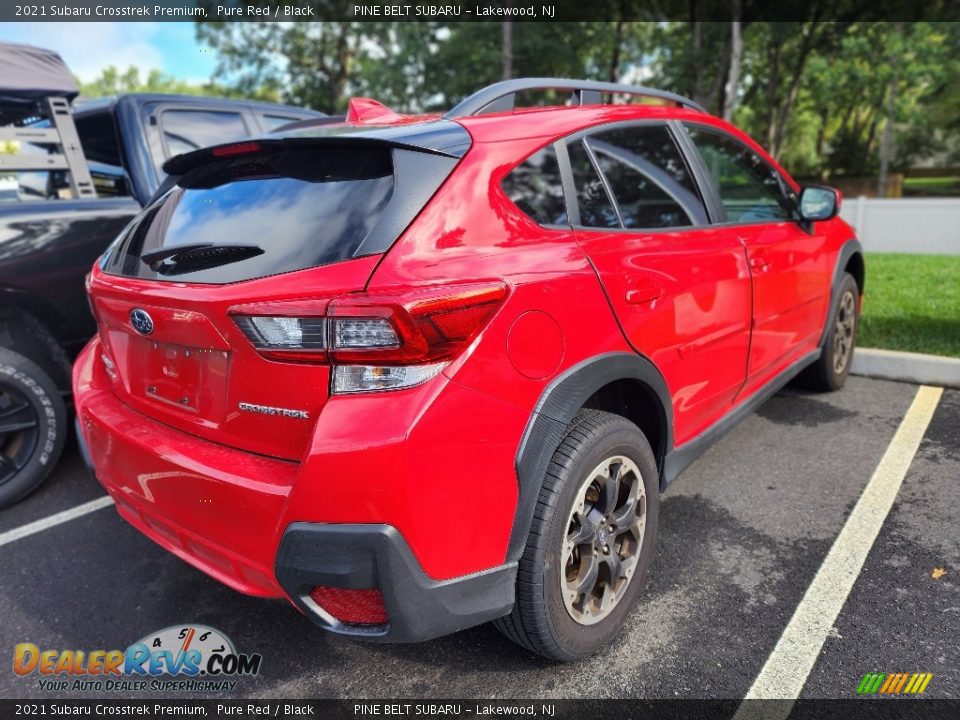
(376,556)
(217,508)
(233,515)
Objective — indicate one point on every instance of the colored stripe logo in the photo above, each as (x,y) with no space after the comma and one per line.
(894,683)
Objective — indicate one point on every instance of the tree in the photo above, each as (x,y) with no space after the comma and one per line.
(112,81)
(820,96)
(736,54)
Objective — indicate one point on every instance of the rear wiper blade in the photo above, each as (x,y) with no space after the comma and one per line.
(199,256)
(155,257)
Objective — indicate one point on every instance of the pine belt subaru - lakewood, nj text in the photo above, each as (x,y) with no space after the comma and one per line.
(420,373)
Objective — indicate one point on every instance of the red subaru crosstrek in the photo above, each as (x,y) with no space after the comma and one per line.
(418,373)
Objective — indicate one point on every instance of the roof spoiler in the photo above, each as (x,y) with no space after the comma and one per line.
(180,164)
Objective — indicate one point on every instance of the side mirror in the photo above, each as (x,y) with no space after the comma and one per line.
(819,203)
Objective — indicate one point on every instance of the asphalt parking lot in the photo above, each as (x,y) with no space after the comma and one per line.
(743,533)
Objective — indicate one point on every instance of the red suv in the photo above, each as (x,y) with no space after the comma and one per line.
(418,373)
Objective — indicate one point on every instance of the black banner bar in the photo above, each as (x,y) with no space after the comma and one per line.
(477,11)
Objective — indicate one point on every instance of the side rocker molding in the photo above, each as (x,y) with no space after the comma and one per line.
(558,405)
(678,459)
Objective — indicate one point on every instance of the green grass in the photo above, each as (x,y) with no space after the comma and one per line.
(946,186)
(912,303)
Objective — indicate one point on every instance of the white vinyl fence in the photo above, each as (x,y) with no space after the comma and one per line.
(905,225)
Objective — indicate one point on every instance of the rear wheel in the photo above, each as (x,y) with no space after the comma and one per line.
(33,426)
(590,542)
(831,370)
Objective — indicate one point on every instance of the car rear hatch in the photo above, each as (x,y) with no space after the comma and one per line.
(263,229)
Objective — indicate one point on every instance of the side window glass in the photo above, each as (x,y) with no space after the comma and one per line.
(534,186)
(648,177)
(272,122)
(186,130)
(596,210)
(750,189)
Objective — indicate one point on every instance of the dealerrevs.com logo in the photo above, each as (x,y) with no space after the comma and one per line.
(188,658)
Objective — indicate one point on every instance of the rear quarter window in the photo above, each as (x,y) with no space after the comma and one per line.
(535,187)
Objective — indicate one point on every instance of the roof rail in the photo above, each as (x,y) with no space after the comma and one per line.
(501,96)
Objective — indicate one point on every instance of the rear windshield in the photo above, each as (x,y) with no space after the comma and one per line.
(251,216)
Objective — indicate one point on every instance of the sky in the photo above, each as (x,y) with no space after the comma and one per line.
(88,48)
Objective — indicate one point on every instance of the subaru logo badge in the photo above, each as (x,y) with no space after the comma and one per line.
(141,321)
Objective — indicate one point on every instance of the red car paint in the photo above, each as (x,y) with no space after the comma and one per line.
(719,310)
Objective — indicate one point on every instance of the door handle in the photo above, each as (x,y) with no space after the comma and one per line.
(645,294)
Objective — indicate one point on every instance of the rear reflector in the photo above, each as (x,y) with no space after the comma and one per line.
(351,607)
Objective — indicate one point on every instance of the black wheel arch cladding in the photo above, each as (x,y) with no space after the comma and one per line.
(852,249)
(558,405)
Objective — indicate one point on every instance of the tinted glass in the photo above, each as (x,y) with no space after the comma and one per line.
(535,187)
(749,188)
(186,130)
(264,215)
(648,177)
(596,209)
(272,122)
(99,138)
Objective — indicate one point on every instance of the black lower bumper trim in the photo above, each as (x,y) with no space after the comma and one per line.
(377,556)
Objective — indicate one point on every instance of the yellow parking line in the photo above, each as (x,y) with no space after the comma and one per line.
(786,670)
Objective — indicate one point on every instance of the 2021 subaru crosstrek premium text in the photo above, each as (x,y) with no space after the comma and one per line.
(418,373)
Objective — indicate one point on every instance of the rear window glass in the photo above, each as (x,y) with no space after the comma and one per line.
(275,121)
(186,130)
(98,137)
(534,186)
(253,216)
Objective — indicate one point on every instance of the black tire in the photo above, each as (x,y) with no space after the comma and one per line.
(28,337)
(830,371)
(33,426)
(540,620)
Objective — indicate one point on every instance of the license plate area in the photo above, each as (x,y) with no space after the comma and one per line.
(189,378)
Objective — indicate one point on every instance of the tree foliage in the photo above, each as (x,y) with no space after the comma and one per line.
(817,94)
(112,81)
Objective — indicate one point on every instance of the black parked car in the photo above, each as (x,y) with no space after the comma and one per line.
(82,174)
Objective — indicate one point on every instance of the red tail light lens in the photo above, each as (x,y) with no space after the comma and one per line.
(431,325)
(351,607)
(417,327)
(376,341)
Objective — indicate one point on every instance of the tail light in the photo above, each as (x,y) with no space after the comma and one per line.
(375,342)
(351,607)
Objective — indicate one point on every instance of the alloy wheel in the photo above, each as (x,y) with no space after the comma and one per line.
(602,544)
(843,333)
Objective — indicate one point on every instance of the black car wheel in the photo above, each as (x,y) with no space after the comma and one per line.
(33,426)
(591,540)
